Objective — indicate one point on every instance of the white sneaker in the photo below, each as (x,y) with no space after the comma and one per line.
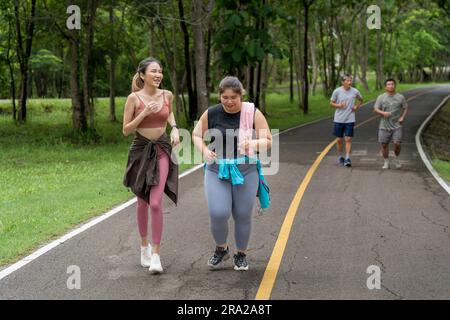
(386,164)
(397,163)
(155,264)
(146,254)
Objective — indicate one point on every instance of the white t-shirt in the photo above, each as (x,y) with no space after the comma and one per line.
(345,115)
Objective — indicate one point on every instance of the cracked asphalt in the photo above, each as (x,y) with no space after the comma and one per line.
(348,220)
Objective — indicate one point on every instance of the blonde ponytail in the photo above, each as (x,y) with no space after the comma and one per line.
(137,83)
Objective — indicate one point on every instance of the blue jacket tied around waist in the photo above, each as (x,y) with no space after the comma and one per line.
(228,170)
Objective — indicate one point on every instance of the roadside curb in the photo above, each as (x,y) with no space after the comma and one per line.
(425,158)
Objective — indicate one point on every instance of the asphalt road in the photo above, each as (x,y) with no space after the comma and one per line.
(348,220)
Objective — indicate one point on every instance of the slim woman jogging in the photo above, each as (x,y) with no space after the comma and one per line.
(150,170)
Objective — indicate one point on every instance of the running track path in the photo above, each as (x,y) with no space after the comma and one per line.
(348,219)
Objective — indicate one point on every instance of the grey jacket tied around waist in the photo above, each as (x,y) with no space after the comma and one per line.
(142,171)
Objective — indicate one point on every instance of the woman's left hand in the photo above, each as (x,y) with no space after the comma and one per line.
(246,145)
(174,137)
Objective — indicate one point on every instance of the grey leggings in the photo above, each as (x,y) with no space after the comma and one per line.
(224,200)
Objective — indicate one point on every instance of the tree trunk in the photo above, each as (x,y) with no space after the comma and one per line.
(208,60)
(364,41)
(441,74)
(355,62)
(112,89)
(198,15)
(169,50)
(151,40)
(342,56)
(379,67)
(258,83)
(30,86)
(79,121)
(305,92)
(332,62)
(315,66)
(251,83)
(260,27)
(112,70)
(185,108)
(433,73)
(192,96)
(326,88)
(11,73)
(291,66)
(24,55)
(348,59)
(174,74)
(299,64)
(87,66)
(264,84)
(210,33)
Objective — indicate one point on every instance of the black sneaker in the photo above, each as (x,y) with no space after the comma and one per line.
(240,262)
(347,162)
(341,161)
(219,256)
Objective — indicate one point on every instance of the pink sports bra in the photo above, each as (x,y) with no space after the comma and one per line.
(155,120)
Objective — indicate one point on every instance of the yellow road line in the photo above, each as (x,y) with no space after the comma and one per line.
(270,274)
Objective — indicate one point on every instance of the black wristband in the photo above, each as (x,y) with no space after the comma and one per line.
(174,126)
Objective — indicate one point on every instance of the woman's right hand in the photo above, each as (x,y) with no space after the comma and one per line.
(150,108)
(209,155)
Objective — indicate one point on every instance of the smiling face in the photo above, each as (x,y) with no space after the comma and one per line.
(231,100)
(153,75)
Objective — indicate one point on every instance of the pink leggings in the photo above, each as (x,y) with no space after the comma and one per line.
(156,197)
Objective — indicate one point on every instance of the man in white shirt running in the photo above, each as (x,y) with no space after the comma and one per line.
(343,99)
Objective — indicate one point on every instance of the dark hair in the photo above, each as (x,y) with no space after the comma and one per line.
(389,79)
(346,76)
(232,83)
(137,83)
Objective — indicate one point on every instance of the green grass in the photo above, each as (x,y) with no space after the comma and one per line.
(443,168)
(55,189)
(50,182)
(436,140)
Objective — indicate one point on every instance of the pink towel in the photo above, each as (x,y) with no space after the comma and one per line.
(246,124)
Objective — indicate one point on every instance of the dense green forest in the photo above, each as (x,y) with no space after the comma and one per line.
(302,45)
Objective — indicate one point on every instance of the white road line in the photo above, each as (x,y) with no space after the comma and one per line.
(63,239)
(422,153)
(359,153)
